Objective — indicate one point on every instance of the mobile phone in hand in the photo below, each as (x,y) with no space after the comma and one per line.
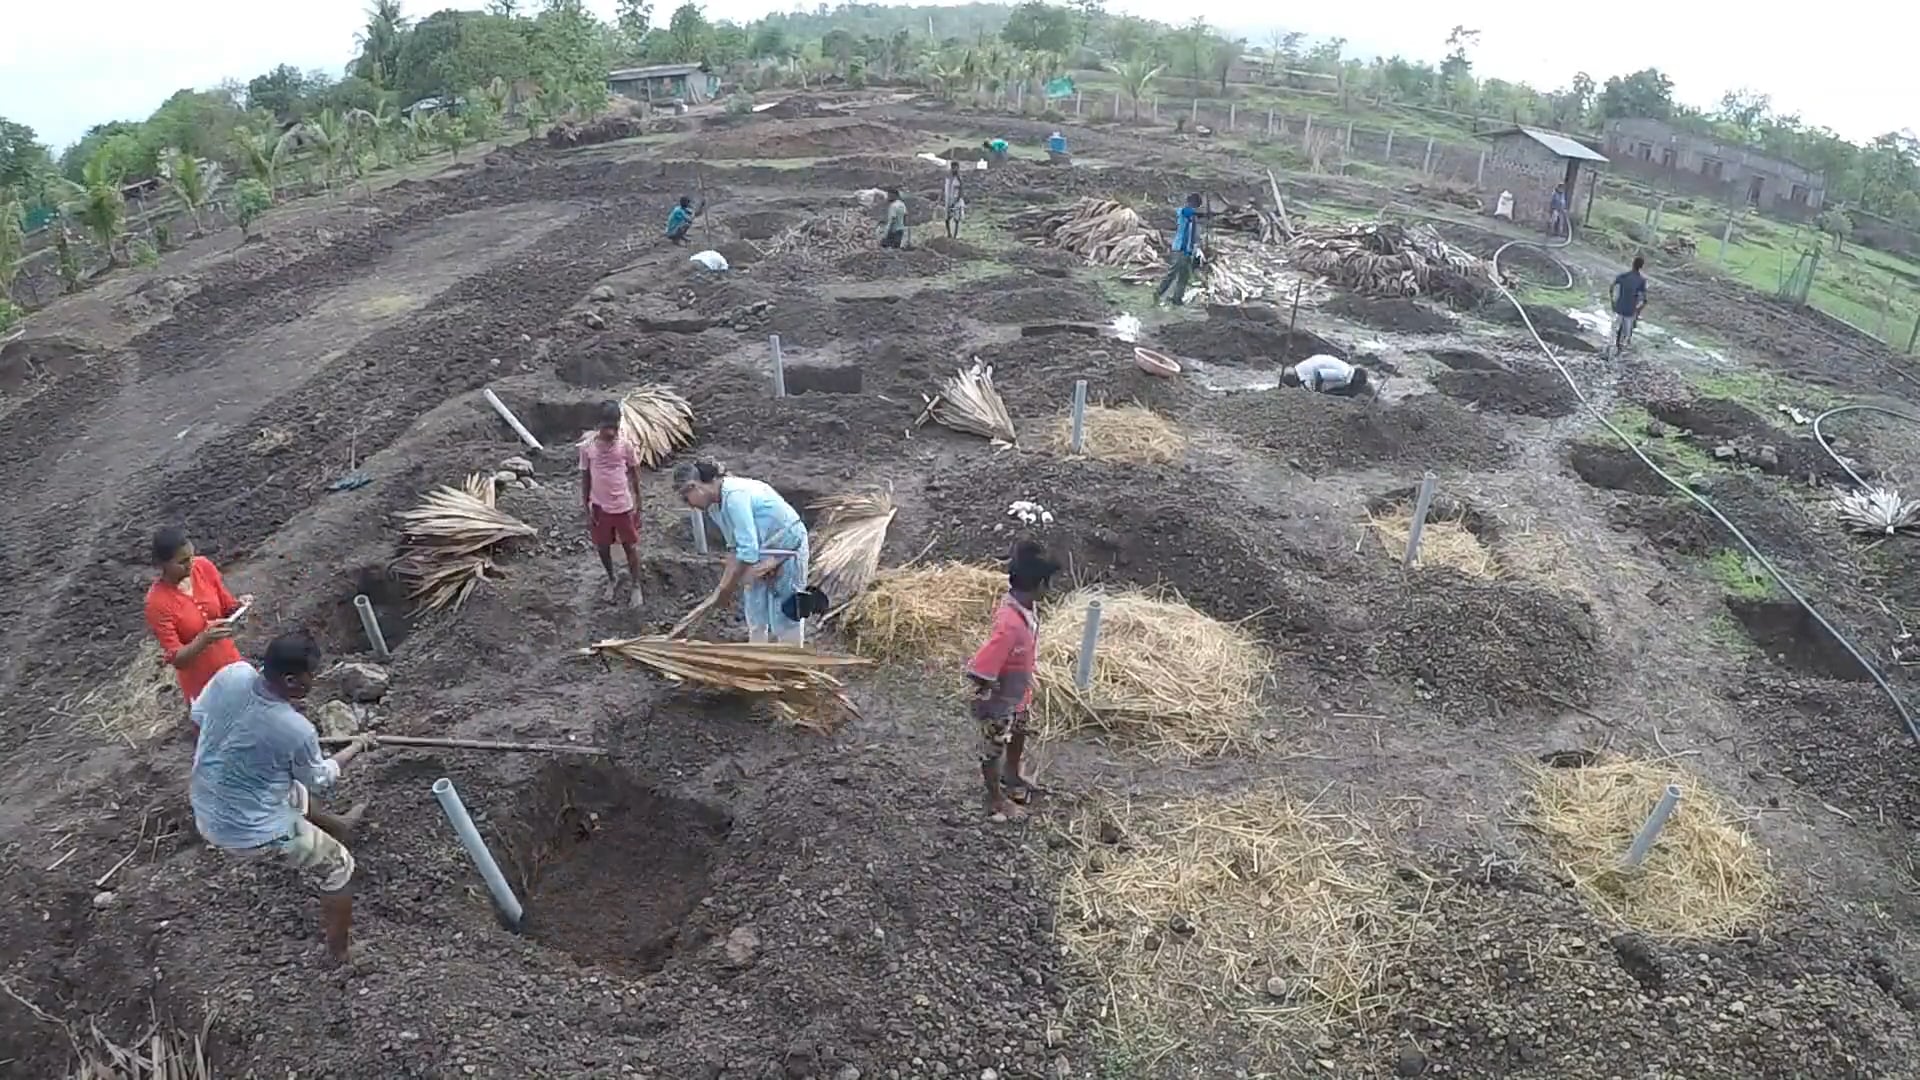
(239,613)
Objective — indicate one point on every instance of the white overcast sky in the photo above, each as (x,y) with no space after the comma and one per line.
(67,66)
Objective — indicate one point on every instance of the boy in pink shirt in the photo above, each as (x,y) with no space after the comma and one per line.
(1002,674)
(610,494)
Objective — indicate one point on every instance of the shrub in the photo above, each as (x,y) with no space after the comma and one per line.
(8,314)
(143,253)
(250,199)
(162,236)
(740,104)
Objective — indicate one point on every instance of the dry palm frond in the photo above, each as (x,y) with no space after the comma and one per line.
(1100,231)
(1130,434)
(159,1054)
(447,538)
(1705,877)
(1384,258)
(1450,543)
(937,613)
(825,237)
(968,402)
(1876,510)
(799,681)
(1265,916)
(847,537)
(1166,677)
(142,699)
(657,421)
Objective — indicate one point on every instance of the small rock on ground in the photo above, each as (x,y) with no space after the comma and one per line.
(364,682)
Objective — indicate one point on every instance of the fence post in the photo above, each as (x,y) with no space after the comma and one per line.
(1193,119)
(1269,122)
(1232,110)
(1076,103)
(1480,170)
(1388,157)
(1426,164)
(1156,110)
(1116,104)
(1422,503)
(1726,234)
(779,367)
(1348,148)
(1915,336)
(1089,642)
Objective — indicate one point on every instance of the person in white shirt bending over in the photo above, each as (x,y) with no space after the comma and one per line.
(1328,375)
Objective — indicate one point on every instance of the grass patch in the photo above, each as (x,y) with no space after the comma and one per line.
(1674,454)
(1739,576)
(1762,392)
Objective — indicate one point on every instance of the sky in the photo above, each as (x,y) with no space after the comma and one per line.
(64,69)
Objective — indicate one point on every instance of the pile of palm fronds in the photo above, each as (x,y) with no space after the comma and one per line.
(448,540)
(847,537)
(799,682)
(1876,510)
(827,236)
(968,402)
(656,420)
(1263,225)
(1386,258)
(1100,231)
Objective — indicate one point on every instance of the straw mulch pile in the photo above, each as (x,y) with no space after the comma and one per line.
(847,536)
(969,403)
(656,420)
(935,614)
(142,699)
(1704,878)
(1130,434)
(1446,543)
(160,1055)
(800,683)
(448,542)
(825,237)
(1259,915)
(1166,677)
(1100,231)
(1384,258)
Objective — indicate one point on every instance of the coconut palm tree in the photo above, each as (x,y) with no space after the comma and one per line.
(1135,77)
(192,181)
(96,203)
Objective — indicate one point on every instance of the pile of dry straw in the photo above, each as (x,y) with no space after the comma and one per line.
(1445,542)
(1167,679)
(848,533)
(1704,878)
(1271,915)
(1129,434)
(142,699)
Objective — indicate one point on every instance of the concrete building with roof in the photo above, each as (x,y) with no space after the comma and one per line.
(660,84)
(1529,161)
(1686,161)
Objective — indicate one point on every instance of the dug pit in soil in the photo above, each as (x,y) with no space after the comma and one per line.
(1615,469)
(823,379)
(1794,639)
(1466,360)
(609,868)
(1716,422)
(343,635)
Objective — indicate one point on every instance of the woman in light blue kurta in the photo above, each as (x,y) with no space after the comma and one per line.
(766,541)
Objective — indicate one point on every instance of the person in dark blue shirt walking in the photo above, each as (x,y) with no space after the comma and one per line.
(1629,300)
(1186,244)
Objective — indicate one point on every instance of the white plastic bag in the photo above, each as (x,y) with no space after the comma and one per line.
(1504,207)
(711,260)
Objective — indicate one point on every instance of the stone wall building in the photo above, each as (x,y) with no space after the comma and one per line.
(1529,162)
(1700,164)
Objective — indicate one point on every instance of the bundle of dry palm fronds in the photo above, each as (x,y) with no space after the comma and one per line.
(1261,224)
(825,237)
(847,536)
(448,541)
(1877,511)
(656,420)
(1100,231)
(968,402)
(799,682)
(1385,258)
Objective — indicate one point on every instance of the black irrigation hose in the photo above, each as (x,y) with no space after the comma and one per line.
(1913,729)
(1837,459)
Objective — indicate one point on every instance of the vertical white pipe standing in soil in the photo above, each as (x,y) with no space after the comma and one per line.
(371,624)
(698,522)
(1079,414)
(512,420)
(1643,843)
(1421,504)
(504,901)
(1089,640)
(779,367)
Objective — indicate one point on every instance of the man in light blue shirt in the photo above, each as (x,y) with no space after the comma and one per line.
(252,768)
(767,562)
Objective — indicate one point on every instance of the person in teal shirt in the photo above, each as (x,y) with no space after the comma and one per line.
(996,150)
(680,221)
(767,551)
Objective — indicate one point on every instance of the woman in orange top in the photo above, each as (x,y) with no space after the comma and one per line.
(190,612)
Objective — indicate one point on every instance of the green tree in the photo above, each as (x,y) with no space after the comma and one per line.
(65,257)
(1129,38)
(571,53)
(452,134)
(278,91)
(633,18)
(191,181)
(769,43)
(1135,77)
(1226,53)
(1645,93)
(508,8)
(418,70)
(1193,49)
(1087,14)
(380,42)
(687,32)
(1837,223)
(13,241)
(251,198)
(96,203)
(488,47)
(23,158)
(1743,111)
(1039,26)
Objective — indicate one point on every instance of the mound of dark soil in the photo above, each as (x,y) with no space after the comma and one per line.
(798,139)
(1525,393)
(1021,299)
(1389,313)
(25,359)
(1035,376)
(1840,741)
(1241,339)
(1471,646)
(1671,524)
(1717,421)
(1322,433)
(1554,325)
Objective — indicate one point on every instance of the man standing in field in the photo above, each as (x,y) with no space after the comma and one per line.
(253,766)
(1002,674)
(953,199)
(610,494)
(1186,243)
(895,234)
(1629,295)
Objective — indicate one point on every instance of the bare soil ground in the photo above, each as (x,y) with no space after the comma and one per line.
(720,897)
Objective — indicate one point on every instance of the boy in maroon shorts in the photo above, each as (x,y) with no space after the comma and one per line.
(1002,676)
(610,493)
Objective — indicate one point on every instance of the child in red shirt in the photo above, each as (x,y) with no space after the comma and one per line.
(1002,674)
(610,493)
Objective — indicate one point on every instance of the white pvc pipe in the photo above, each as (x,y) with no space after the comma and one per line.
(1079,414)
(1421,504)
(779,367)
(1643,843)
(1089,640)
(504,901)
(370,622)
(512,420)
(698,522)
